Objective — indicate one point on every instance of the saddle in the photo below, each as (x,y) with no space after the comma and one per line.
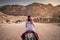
(30,31)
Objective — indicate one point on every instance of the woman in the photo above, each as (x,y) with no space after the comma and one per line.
(30,27)
(29,24)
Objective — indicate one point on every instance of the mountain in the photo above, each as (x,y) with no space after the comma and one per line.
(57,9)
(35,9)
(13,9)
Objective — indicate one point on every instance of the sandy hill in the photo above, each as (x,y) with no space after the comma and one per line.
(4,18)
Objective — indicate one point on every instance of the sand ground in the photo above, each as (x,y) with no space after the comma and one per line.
(46,31)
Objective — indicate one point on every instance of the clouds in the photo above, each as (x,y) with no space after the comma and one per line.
(31,0)
(4,0)
(54,2)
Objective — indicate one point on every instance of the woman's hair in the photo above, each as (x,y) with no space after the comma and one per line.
(29,18)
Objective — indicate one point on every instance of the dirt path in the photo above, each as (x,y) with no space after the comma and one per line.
(46,31)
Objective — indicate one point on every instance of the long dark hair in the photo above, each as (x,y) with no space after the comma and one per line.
(29,18)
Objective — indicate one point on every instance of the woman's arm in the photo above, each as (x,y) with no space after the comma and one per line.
(32,23)
(26,25)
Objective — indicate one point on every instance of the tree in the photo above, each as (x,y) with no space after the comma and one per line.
(7,21)
(18,21)
(56,16)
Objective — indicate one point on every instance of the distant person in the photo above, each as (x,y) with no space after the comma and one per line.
(30,27)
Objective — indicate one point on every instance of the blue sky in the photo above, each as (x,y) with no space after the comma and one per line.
(26,2)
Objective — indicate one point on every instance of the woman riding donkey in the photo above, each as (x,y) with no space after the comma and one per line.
(30,27)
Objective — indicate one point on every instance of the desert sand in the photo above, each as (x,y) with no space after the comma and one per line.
(46,31)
